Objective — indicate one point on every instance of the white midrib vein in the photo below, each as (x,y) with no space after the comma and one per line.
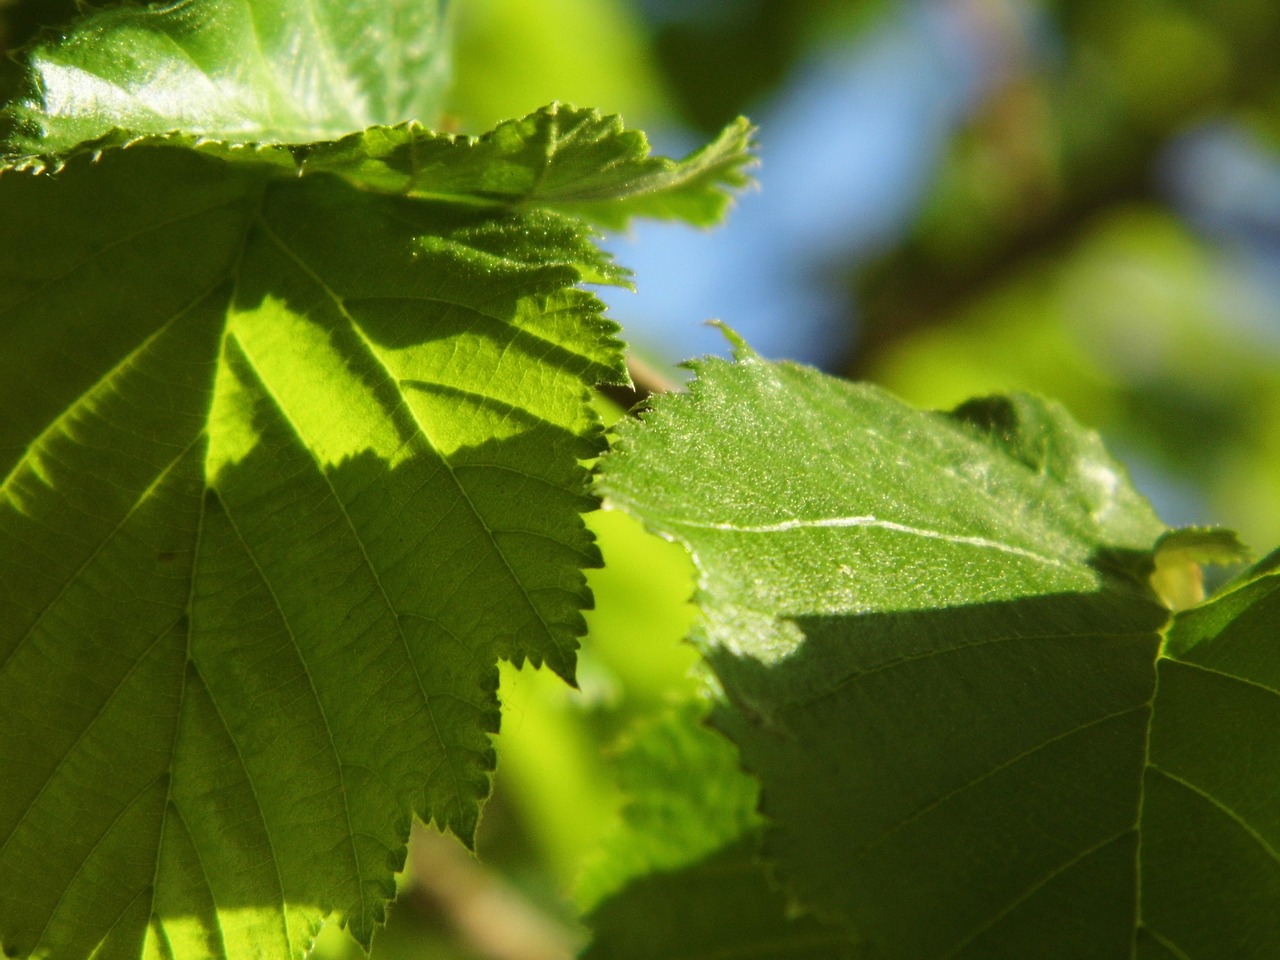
(867,520)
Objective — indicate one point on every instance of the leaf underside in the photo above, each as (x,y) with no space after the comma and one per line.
(942,667)
(266,528)
(291,456)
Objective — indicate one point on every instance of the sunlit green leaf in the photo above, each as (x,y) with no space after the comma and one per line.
(291,458)
(261,71)
(561,158)
(937,639)
(266,528)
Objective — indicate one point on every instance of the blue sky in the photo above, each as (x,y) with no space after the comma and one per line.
(847,147)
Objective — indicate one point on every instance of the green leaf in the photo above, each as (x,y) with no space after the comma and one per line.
(291,459)
(268,524)
(287,467)
(682,866)
(1211,810)
(672,819)
(560,158)
(281,71)
(939,646)
(357,101)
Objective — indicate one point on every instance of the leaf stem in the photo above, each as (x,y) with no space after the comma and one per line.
(487,914)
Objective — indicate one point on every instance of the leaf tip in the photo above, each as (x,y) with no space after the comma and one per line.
(741,349)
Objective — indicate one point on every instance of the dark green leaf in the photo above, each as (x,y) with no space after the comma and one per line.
(1211,813)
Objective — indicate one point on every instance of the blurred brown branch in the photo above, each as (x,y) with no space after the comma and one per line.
(493,919)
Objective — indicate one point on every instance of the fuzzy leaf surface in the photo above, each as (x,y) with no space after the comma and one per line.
(940,655)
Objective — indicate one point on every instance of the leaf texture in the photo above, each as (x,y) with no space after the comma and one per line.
(274,71)
(940,655)
(562,158)
(354,90)
(288,464)
(288,467)
(290,447)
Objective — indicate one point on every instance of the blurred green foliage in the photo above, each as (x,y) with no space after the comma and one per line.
(512,57)
(1046,255)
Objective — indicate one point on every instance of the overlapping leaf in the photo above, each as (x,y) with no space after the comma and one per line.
(941,652)
(561,158)
(289,462)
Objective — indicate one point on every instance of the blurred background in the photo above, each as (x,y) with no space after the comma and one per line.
(1075,197)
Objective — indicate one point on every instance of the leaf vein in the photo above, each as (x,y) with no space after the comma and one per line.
(1032,890)
(116,242)
(89,853)
(75,576)
(204,873)
(1173,948)
(903,661)
(315,693)
(1222,674)
(66,754)
(1221,807)
(867,520)
(257,802)
(421,431)
(988,774)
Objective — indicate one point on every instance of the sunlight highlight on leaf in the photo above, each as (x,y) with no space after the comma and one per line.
(293,463)
(270,71)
